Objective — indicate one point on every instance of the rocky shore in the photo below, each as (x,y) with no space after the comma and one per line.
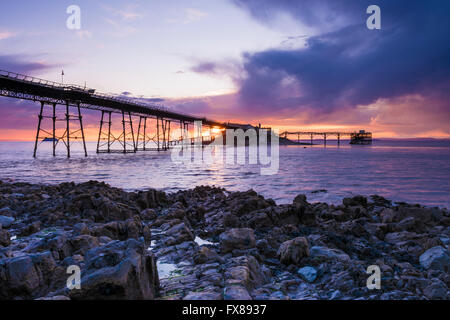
(207,243)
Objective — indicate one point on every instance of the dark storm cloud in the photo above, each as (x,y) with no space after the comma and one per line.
(351,65)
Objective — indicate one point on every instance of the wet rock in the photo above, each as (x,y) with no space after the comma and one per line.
(292,251)
(118,270)
(437,258)
(437,290)
(54,298)
(148,214)
(206,254)
(325,253)
(355,201)
(246,272)
(4,238)
(151,199)
(122,230)
(180,233)
(18,277)
(6,222)
(238,238)
(235,292)
(308,274)
(30,229)
(206,295)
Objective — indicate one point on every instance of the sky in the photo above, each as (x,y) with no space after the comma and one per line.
(289,64)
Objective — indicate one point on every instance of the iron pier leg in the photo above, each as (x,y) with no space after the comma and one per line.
(100,132)
(68,129)
(145,133)
(157,130)
(124,133)
(139,132)
(38,129)
(80,117)
(339,138)
(168,136)
(325,140)
(311,139)
(109,133)
(54,129)
(132,132)
(163,124)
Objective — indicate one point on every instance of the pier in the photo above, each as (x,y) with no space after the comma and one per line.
(154,122)
(362,137)
(74,98)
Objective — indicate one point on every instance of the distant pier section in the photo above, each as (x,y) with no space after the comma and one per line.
(361,137)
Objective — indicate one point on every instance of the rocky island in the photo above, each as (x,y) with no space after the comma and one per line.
(208,243)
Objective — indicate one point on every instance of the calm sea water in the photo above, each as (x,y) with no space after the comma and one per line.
(411,171)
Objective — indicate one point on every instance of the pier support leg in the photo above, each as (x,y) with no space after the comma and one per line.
(68,129)
(38,129)
(325,139)
(109,133)
(339,139)
(157,132)
(80,117)
(100,132)
(54,129)
(124,133)
(145,133)
(311,139)
(132,132)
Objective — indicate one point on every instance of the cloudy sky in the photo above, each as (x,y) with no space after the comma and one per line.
(303,64)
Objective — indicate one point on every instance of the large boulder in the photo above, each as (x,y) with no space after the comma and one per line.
(238,238)
(118,270)
(292,251)
(123,230)
(437,258)
(28,276)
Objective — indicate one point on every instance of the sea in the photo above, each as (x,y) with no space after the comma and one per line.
(413,171)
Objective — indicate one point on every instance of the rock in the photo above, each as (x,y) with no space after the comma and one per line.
(18,277)
(6,222)
(180,233)
(122,230)
(235,292)
(238,238)
(247,273)
(148,214)
(206,295)
(292,251)
(5,238)
(437,290)
(118,270)
(437,258)
(328,253)
(355,201)
(54,298)
(206,254)
(30,229)
(308,274)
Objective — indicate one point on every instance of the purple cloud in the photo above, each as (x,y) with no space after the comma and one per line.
(23,64)
(350,66)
